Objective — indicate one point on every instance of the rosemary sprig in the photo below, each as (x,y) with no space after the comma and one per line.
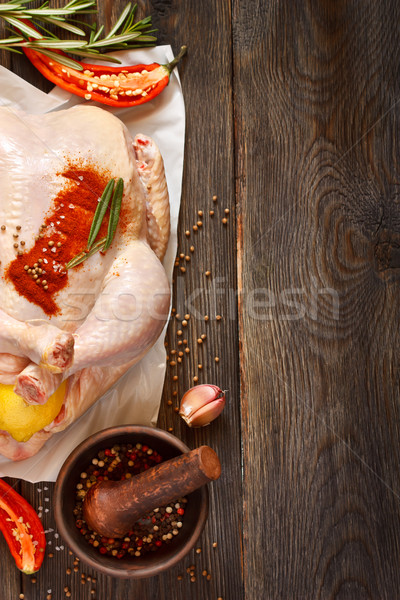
(82,256)
(114,192)
(114,212)
(28,29)
(100,212)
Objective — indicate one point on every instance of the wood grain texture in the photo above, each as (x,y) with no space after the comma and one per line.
(293,123)
(206,75)
(317,114)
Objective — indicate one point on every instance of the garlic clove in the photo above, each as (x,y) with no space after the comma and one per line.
(202,404)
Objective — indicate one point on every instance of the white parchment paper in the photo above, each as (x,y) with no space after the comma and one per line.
(135,398)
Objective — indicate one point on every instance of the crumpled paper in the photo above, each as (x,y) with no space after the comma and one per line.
(135,398)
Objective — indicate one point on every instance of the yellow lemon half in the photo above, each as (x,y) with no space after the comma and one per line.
(22,420)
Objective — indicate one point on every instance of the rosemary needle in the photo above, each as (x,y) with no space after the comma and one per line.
(100,212)
(114,212)
(114,192)
(82,256)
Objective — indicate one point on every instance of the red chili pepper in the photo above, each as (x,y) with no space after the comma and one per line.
(115,86)
(22,529)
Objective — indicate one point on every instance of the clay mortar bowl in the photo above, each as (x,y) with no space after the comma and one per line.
(196,509)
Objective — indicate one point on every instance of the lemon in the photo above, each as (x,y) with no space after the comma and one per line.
(22,420)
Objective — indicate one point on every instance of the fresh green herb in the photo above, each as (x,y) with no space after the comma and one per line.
(100,212)
(24,22)
(114,192)
(114,212)
(82,256)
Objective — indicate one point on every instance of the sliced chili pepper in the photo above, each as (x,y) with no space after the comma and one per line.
(22,529)
(115,86)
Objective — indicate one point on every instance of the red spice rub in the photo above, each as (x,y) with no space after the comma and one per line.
(63,234)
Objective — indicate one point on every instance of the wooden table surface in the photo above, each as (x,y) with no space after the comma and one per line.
(293,123)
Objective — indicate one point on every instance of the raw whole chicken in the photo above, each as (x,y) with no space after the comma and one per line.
(89,324)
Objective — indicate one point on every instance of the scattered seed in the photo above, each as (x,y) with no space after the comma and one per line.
(187,233)
(226,211)
(215,198)
(208,273)
(184,323)
(211,213)
(218,317)
(179,332)
(191,248)
(206,317)
(224,220)
(200,367)
(216,359)
(203,336)
(198,550)
(200,213)
(199,223)
(3,227)
(187,350)
(183,270)
(195,379)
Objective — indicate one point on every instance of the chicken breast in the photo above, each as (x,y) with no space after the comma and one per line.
(88,324)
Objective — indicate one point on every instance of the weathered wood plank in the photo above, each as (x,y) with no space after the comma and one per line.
(208,171)
(316,88)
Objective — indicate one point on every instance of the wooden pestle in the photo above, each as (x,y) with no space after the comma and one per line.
(112,507)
